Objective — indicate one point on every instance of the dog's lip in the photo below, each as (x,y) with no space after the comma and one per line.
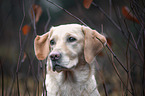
(57,67)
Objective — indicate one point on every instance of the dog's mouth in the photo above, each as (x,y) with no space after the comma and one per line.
(57,67)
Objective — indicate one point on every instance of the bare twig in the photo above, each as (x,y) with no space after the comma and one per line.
(10,93)
(122,89)
(45,67)
(128,68)
(139,13)
(33,21)
(30,61)
(45,28)
(6,18)
(2,77)
(67,12)
(38,76)
(140,35)
(102,79)
(113,55)
(136,9)
(115,68)
(119,74)
(43,76)
(136,47)
(107,16)
(33,72)
(116,58)
(143,80)
(17,70)
(127,62)
(110,8)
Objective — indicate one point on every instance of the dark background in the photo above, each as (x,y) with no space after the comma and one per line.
(22,74)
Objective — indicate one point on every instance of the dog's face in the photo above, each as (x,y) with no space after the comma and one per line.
(66,44)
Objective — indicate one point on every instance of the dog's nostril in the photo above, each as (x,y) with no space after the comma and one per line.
(51,57)
(55,56)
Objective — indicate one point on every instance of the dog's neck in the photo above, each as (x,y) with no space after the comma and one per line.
(68,76)
(74,75)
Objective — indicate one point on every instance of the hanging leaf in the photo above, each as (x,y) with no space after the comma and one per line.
(26,29)
(24,57)
(128,14)
(37,12)
(87,3)
(109,42)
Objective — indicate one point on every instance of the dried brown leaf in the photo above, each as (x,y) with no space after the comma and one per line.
(87,3)
(38,11)
(128,14)
(26,29)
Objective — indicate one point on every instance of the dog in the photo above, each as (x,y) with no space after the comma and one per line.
(70,50)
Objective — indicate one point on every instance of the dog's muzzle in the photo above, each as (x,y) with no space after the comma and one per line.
(55,58)
(57,67)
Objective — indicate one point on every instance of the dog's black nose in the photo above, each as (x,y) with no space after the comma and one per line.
(55,56)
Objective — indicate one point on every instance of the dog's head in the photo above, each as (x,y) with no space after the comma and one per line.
(65,44)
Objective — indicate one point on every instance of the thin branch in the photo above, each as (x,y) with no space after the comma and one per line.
(112,21)
(107,16)
(10,93)
(128,68)
(2,77)
(102,79)
(116,58)
(136,47)
(122,89)
(137,5)
(127,62)
(28,73)
(33,20)
(6,17)
(140,35)
(113,55)
(67,12)
(44,68)
(33,72)
(17,70)
(48,21)
(115,68)
(143,80)
(38,76)
(110,8)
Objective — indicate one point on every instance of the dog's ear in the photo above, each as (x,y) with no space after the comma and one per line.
(93,43)
(41,46)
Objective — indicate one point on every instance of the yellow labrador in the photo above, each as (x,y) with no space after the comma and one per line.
(70,49)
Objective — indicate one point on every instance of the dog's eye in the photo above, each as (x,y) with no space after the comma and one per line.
(52,42)
(71,39)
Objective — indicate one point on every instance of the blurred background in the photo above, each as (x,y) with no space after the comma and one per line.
(120,67)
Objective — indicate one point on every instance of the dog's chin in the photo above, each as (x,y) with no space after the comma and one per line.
(58,68)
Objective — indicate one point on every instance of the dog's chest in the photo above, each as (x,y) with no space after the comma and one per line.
(71,89)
